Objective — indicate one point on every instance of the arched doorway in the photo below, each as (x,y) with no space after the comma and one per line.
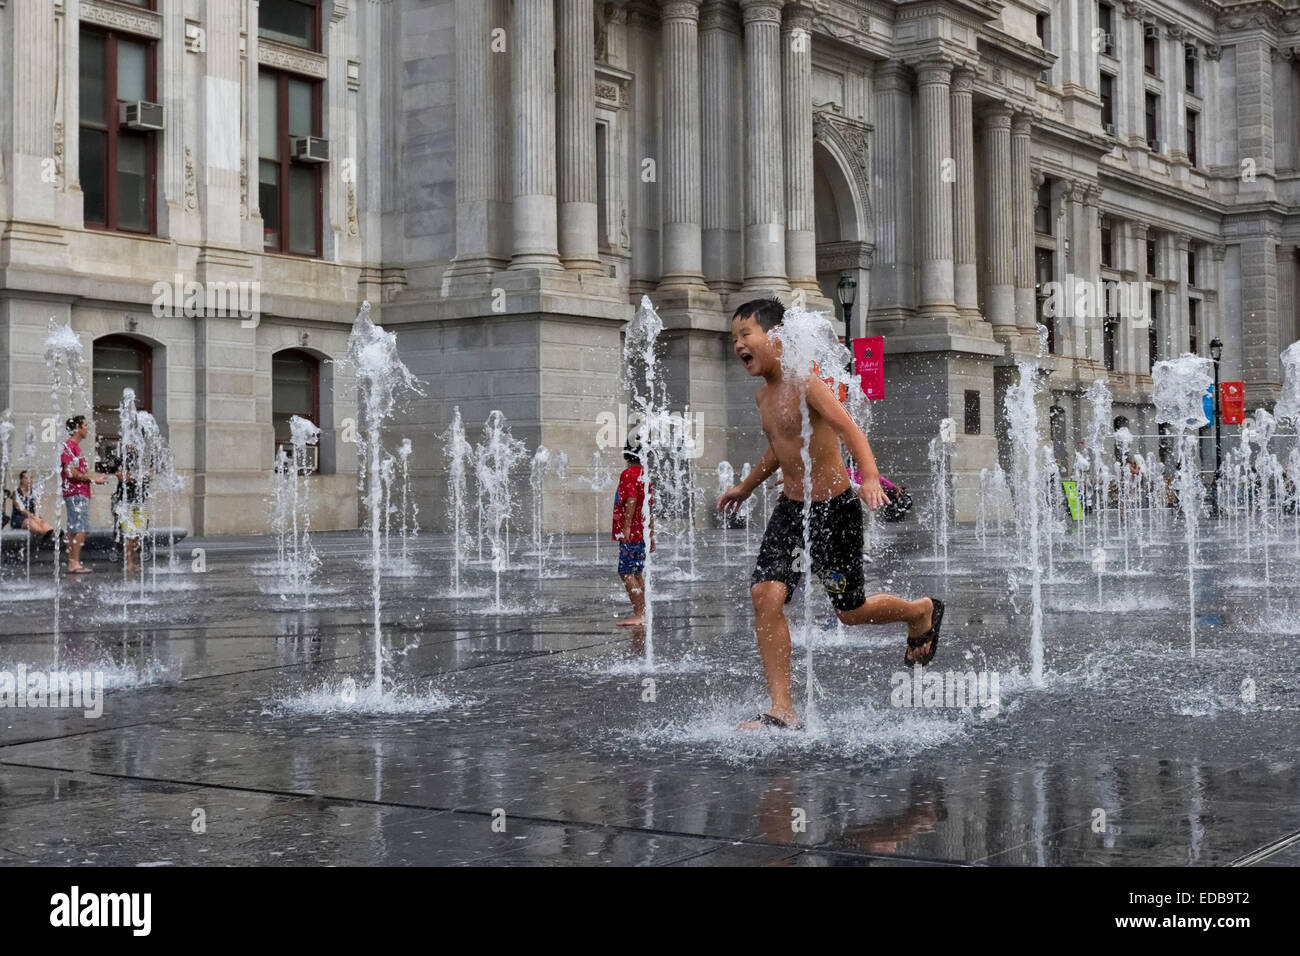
(120,362)
(843,226)
(295,390)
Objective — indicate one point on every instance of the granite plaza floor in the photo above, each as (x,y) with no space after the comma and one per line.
(234,728)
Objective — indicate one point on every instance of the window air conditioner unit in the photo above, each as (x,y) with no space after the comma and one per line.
(141,115)
(1110,129)
(311,149)
(310,460)
(1151,30)
(1108,44)
(1155,145)
(1189,50)
(1045,77)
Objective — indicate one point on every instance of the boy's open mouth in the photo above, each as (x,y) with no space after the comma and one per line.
(746,357)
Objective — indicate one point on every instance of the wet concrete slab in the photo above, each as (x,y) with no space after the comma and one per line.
(539,734)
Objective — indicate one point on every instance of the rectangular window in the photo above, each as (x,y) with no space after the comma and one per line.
(602,186)
(289,191)
(118,164)
(1191,267)
(1150,62)
(296,22)
(1108,343)
(1153,121)
(972,411)
(1192,118)
(1106,23)
(1044,273)
(1107,244)
(1043,209)
(1107,101)
(1189,68)
(1151,253)
(1193,336)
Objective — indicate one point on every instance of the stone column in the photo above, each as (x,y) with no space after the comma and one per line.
(933,81)
(1180,312)
(796,74)
(963,154)
(576,130)
(1087,263)
(474,112)
(720,49)
(532,91)
(893,272)
(1022,191)
(680,169)
(1000,217)
(1139,331)
(764,151)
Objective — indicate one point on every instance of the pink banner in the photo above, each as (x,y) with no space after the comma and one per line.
(869,356)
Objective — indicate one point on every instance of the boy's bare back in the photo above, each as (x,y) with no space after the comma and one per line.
(779,409)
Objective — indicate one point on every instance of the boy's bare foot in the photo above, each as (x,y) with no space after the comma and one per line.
(780,720)
(634,621)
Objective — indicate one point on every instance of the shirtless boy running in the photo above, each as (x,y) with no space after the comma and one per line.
(835,521)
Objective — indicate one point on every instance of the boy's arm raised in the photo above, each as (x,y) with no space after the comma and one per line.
(824,402)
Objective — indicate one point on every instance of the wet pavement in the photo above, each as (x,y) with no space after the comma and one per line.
(239,728)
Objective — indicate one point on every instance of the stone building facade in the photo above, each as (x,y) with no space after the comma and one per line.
(506,179)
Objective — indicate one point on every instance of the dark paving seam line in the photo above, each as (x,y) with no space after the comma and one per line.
(546,821)
(80,733)
(1267,850)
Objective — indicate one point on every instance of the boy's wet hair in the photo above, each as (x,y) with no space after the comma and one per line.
(768,312)
(73,423)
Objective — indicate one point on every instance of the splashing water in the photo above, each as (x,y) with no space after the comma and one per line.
(641,355)
(1179,386)
(63,359)
(382,378)
(810,350)
(494,458)
(459,453)
(1022,421)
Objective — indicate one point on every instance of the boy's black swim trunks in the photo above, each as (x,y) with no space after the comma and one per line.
(836,532)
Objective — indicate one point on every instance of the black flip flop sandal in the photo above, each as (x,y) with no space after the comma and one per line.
(767,720)
(930,637)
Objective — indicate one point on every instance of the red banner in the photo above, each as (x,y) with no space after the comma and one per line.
(1232,399)
(869,357)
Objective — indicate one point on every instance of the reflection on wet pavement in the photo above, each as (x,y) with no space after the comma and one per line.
(237,729)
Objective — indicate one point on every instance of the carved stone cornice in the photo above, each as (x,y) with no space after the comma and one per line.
(1133,10)
(282,56)
(844,256)
(1213,51)
(129,19)
(761,10)
(1242,16)
(679,10)
(719,15)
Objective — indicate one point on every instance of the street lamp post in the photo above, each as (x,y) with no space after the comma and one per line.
(1216,353)
(846,291)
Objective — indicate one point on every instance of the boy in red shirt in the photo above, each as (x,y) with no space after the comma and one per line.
(628,532)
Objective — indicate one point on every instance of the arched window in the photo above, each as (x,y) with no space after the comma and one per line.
(120,363)
(295,390)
